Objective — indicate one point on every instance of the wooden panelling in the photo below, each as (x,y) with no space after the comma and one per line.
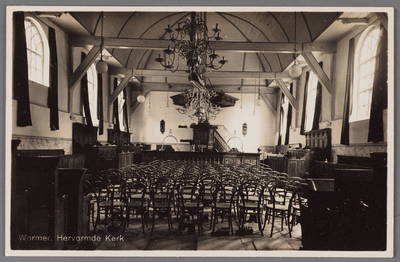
(40,152)
(72,161)
(37,179)
(70,184)
(321,142)
(220,157)
(125,159)
(83,136)
(118,138)
(100,158)
(321,169)
(296,163)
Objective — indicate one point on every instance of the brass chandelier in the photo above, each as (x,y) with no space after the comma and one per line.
(198,104)
(192,43)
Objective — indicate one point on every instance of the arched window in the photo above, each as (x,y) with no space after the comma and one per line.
(38,52)
(311,97)
(364,64)
(92,93)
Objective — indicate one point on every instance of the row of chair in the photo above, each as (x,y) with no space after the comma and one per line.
(192,191)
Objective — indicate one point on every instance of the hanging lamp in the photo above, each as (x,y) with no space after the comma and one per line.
(295,70)
(141,98)
(259,84)
(101,66)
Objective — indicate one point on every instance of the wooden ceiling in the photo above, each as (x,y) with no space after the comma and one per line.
(244,36)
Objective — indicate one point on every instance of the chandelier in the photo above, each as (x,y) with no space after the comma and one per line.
(193,44)
(198,104)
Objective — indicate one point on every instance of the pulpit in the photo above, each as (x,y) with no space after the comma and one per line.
(203,136)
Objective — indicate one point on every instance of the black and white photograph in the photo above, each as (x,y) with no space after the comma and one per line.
(199,131)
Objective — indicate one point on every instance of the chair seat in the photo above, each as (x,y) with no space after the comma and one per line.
(138,196)
(208,197)
(296,207)
(161,205)
(136,204)
(187,197)
(278,207)
(160,196)
(222,205)
(108,203)
(249,205)
(192,205)
(253,198)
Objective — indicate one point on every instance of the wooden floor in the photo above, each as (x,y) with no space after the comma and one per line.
(134,239)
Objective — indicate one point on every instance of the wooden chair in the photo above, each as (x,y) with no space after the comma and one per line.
(137,202)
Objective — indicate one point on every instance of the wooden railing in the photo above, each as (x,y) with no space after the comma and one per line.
(220,145)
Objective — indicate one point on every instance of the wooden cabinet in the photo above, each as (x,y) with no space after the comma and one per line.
(296,163)
(125,159)
(277,162)
(351,213)
(70,184)
(43,208)
(72,161)
(101,158)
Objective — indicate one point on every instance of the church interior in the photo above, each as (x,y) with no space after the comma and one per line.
(198,130)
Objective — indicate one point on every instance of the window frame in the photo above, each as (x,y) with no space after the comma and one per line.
(92,93)
(312,87)
(358,76)
(45,58)
(121,102)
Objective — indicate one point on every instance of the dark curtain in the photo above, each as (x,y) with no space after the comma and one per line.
(318,104)
(52,102)
(20,72)
(280,120)
(115,108)
(379,92)
(85,96)
(345,136)
(289,118)
(100,116)
(126,113)
(303,115)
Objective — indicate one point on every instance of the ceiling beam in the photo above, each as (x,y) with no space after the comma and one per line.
(318,71)
(269,104)
(287,93)
(359,21)
(78,74)
(384,19)
(119,89)
(157,44)
(233,89)
(214,74)
(278,111)
(83,67)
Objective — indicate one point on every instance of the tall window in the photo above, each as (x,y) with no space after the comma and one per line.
(38,52)
(121,102)
(366,54)
(311,97)
(92,93)
(284,114)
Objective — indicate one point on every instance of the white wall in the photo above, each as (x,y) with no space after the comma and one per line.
(146,123)
(39,135)
(358,130)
